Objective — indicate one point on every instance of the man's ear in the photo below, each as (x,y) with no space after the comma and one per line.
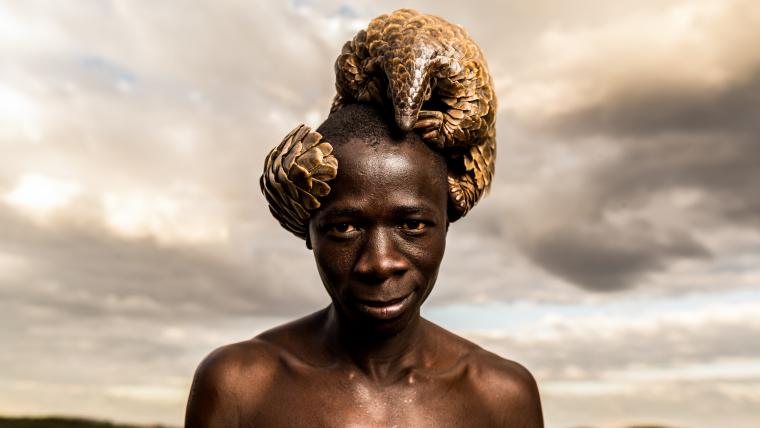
(447,226)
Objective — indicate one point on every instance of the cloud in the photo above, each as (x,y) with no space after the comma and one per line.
(603,347)
(637,361)
(658,134)
(601,257)
(618,362)
(81,270)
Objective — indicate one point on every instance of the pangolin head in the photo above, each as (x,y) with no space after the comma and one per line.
(409,86)
(410,50)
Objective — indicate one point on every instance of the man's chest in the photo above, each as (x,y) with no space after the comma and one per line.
(336,401)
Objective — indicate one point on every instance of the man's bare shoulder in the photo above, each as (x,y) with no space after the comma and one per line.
(231,375)
(506,387)
(256,360)
(224,366)
(238,376)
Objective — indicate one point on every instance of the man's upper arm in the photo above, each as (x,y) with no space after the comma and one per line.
(525,409)
(208,404)
(514,395)
(226,381)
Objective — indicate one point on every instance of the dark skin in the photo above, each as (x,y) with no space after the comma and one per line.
(369,359)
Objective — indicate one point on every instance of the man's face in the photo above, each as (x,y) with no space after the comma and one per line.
(380,234)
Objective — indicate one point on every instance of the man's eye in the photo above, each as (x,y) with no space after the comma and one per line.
(413,226)
(342,228)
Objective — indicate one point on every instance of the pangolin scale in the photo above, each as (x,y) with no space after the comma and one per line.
(434,78)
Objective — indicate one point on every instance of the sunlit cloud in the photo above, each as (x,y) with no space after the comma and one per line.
(188,216)
(41,194)
(580,67)
(20,117)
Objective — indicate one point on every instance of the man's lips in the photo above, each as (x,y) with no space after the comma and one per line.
(385,309)
(380,303)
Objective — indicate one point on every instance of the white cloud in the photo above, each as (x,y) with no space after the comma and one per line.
(40,194)
(688,44)
(186,214)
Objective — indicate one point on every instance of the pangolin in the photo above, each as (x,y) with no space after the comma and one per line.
(435,79)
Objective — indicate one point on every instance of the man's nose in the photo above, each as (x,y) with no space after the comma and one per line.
(380,258)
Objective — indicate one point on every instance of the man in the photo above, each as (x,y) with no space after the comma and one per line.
(369,359)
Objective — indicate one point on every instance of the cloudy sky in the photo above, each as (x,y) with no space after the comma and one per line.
(617,256)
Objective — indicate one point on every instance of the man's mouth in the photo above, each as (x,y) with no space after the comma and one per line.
(385,309)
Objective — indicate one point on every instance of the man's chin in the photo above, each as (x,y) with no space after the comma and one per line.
(376,330)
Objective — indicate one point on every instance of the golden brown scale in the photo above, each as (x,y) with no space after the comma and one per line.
(296,173)
(435,79)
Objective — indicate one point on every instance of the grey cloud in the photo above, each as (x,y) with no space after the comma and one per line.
(601,258)
(83,271)
(718,163)
(664,404)
(661,137)
(721,167)
(646,109)
(594,354)
(575,368)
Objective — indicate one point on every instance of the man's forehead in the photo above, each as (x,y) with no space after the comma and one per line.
(355,157)
(366,149)
(400,166)
(359,208)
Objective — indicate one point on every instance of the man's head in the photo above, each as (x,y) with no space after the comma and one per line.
(379,235)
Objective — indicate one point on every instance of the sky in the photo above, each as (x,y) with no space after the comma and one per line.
(617,255)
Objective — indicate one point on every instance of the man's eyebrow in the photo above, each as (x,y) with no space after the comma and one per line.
(338,212)
(401,210)
(411,209)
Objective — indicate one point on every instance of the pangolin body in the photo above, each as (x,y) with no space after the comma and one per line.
(435,79)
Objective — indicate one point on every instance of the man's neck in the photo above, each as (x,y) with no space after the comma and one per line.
(381,357)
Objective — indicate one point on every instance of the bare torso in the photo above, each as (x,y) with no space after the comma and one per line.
(290,377)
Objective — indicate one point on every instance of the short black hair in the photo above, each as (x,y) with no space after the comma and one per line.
(366,121)
(372,124)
